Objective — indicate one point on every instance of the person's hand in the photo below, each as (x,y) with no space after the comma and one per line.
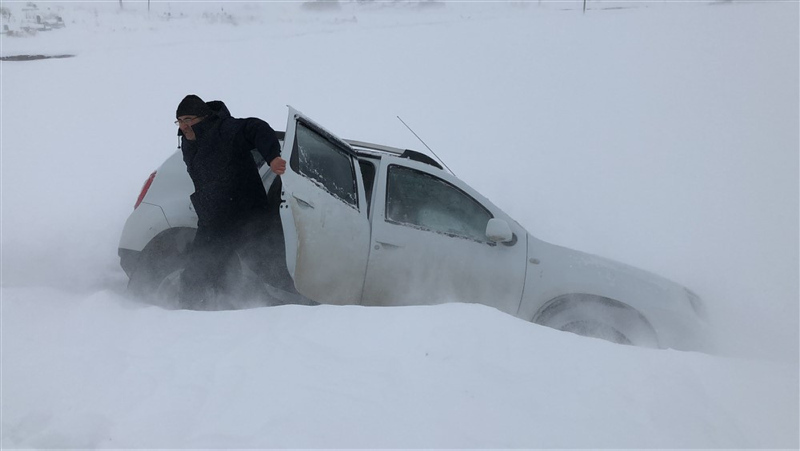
(278,165)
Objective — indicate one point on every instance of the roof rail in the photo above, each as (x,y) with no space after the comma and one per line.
(361,146)
(366,149)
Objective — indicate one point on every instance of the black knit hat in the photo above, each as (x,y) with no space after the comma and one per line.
(192,105)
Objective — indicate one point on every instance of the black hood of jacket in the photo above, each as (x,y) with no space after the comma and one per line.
(219,111)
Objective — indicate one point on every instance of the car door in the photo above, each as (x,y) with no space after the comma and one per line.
(429,243)
(323,213)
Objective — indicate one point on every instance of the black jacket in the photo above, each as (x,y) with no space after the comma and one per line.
(228,189)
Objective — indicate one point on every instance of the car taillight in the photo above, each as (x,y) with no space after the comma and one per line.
(144,189)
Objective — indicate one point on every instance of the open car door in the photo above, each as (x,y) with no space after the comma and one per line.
(324,214)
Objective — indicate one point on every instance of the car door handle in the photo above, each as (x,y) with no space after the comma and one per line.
(385,245)
(302,203)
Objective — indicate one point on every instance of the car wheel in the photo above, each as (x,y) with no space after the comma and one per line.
(168,291)
(242,289)
(598,317)
(161,257)
(595,329)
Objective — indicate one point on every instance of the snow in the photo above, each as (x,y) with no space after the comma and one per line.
(661,134)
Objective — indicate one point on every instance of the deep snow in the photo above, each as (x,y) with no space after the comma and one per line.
(664,135)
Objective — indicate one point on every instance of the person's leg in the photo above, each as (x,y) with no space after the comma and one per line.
(203,276)
(264,250)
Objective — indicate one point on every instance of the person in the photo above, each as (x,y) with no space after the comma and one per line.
(233,210)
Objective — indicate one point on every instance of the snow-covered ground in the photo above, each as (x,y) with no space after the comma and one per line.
(661,134)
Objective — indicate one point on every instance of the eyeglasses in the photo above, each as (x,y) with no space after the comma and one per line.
(187,120)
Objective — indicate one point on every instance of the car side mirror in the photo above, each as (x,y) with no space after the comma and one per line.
(498,230)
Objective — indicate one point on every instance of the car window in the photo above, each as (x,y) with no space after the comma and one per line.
(368,176)
(421,200)
(325,163)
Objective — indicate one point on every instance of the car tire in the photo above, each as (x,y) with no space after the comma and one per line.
(598,317)
(162,257)
(595,329)
(167,294)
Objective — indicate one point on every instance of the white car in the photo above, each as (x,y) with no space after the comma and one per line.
(368,224)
